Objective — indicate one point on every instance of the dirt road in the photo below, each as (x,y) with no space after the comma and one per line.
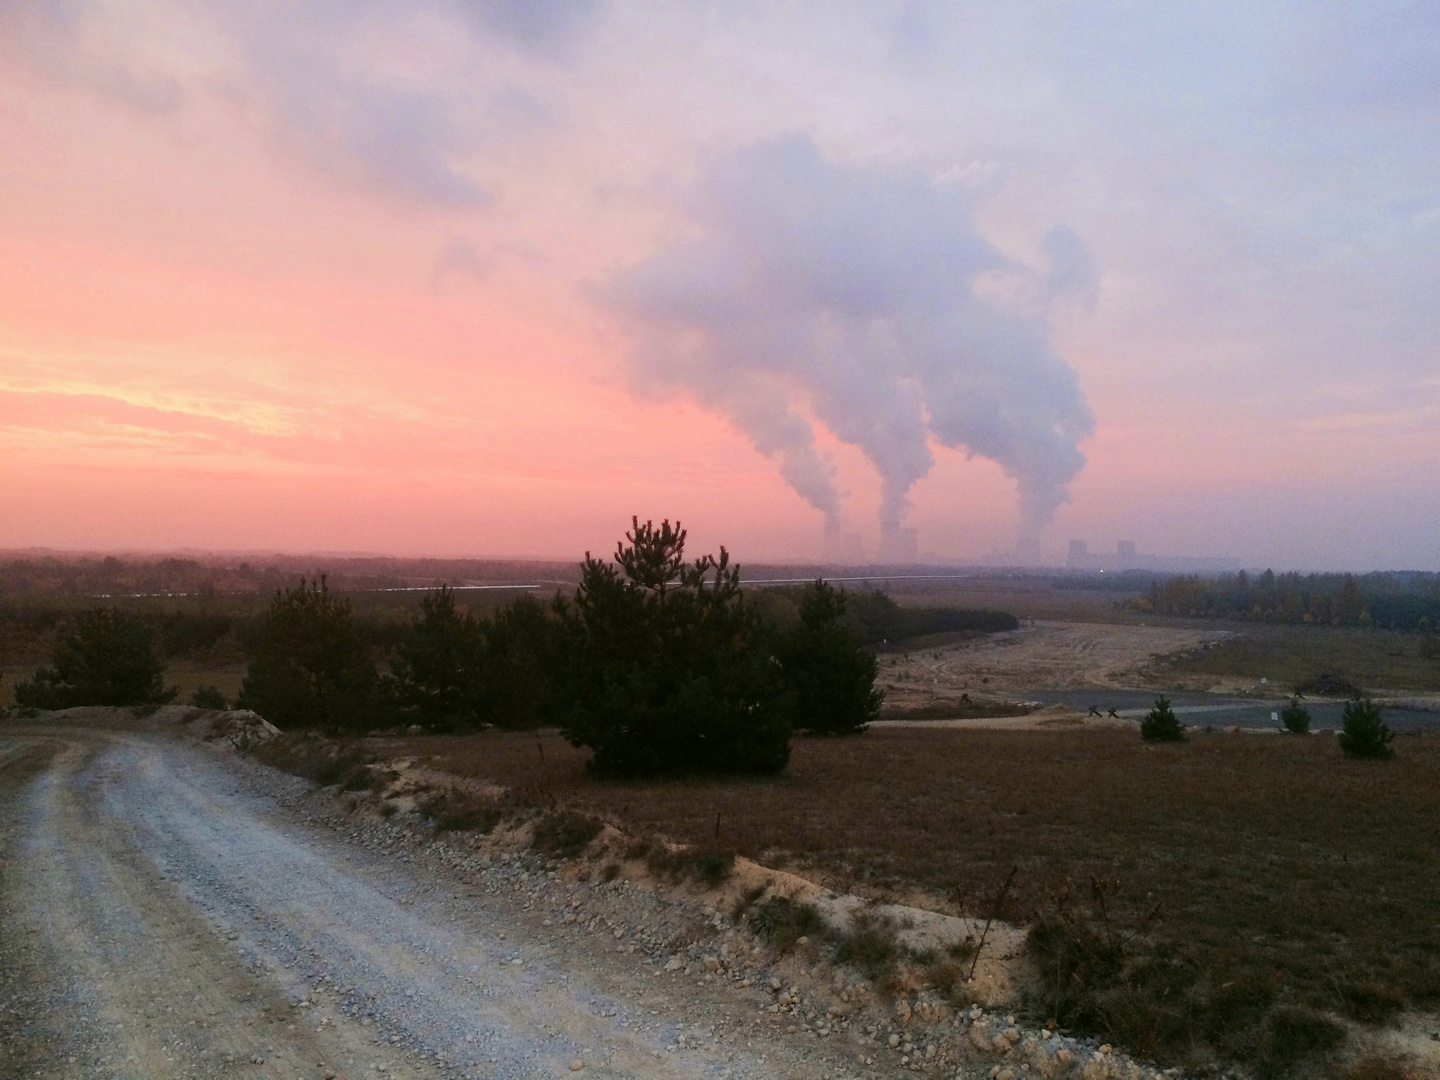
(168,911)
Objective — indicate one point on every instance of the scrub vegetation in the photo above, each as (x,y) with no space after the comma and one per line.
(1224,899)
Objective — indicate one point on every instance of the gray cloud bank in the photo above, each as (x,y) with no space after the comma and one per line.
(848,291)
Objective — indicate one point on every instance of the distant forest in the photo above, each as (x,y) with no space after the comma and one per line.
(108,576)
(1408,600)
(211,611)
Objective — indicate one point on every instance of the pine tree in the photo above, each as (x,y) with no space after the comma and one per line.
(312,668)
(1161,724)
(829,667)
(1295,717)
(1365,734)
(106,657)
(437,666)
(671,673)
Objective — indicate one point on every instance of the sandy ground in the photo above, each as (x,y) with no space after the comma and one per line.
(1045,655)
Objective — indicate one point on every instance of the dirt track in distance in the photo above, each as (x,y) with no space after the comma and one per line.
(164,914)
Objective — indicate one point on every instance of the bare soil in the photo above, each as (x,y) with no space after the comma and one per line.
(1040,656)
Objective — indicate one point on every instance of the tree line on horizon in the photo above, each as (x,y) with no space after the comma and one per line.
(656,663)
(1389,600)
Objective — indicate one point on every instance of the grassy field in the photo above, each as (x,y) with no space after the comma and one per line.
(1268,863)
(1289,655)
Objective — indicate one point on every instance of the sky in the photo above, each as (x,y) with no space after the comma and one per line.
(487,277)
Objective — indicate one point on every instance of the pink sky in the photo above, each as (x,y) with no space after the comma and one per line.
(228,318)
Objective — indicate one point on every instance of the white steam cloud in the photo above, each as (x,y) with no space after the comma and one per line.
(850,289)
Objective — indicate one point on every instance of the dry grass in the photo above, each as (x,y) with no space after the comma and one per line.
(1267,859)
(1290,655)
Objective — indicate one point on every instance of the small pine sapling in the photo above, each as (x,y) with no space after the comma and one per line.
(1161,724)
(1365,734)
(1295,717)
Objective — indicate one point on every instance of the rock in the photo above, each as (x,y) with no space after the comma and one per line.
(893,1041)
(713,965)
(674,963)
(576,1065)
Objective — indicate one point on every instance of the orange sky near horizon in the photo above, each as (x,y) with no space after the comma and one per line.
(223,327)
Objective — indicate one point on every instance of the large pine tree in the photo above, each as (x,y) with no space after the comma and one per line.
(671,672)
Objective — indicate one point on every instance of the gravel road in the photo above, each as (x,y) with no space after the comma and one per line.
(170,911)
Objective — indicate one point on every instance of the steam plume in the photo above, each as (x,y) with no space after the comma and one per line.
(850,289)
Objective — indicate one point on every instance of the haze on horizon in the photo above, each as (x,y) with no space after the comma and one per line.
(486,277)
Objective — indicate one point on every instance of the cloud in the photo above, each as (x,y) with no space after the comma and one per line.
(396,140)
(460,256)
(846,291)
(545,27)
(48,41)
(1072,268)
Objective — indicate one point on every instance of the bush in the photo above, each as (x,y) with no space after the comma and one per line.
(1295,717)
(105,657)
(458,812)
(1371,1001)
(311,668)
(456,672)
(782,922)
(209,697)
(670,673)
(564,833)
(711,866)
(828,667)
(871,946)
(1291,1034)
(1365,734)
(1161,724)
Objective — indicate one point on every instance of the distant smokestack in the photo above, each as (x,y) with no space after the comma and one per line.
(845,293)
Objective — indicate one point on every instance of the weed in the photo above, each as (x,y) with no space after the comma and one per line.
(871,945)
(1375,1067)
(1292,1034)
(362,778)
(610,873)
(388,810)
(711,866)
(1371,1001)
(312,757)
(746,900)
(453,811)
(781,922)
(565,833)
(209,697)
(639,848)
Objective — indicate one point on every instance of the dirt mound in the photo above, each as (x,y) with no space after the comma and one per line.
(1330,686)
(238,729)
